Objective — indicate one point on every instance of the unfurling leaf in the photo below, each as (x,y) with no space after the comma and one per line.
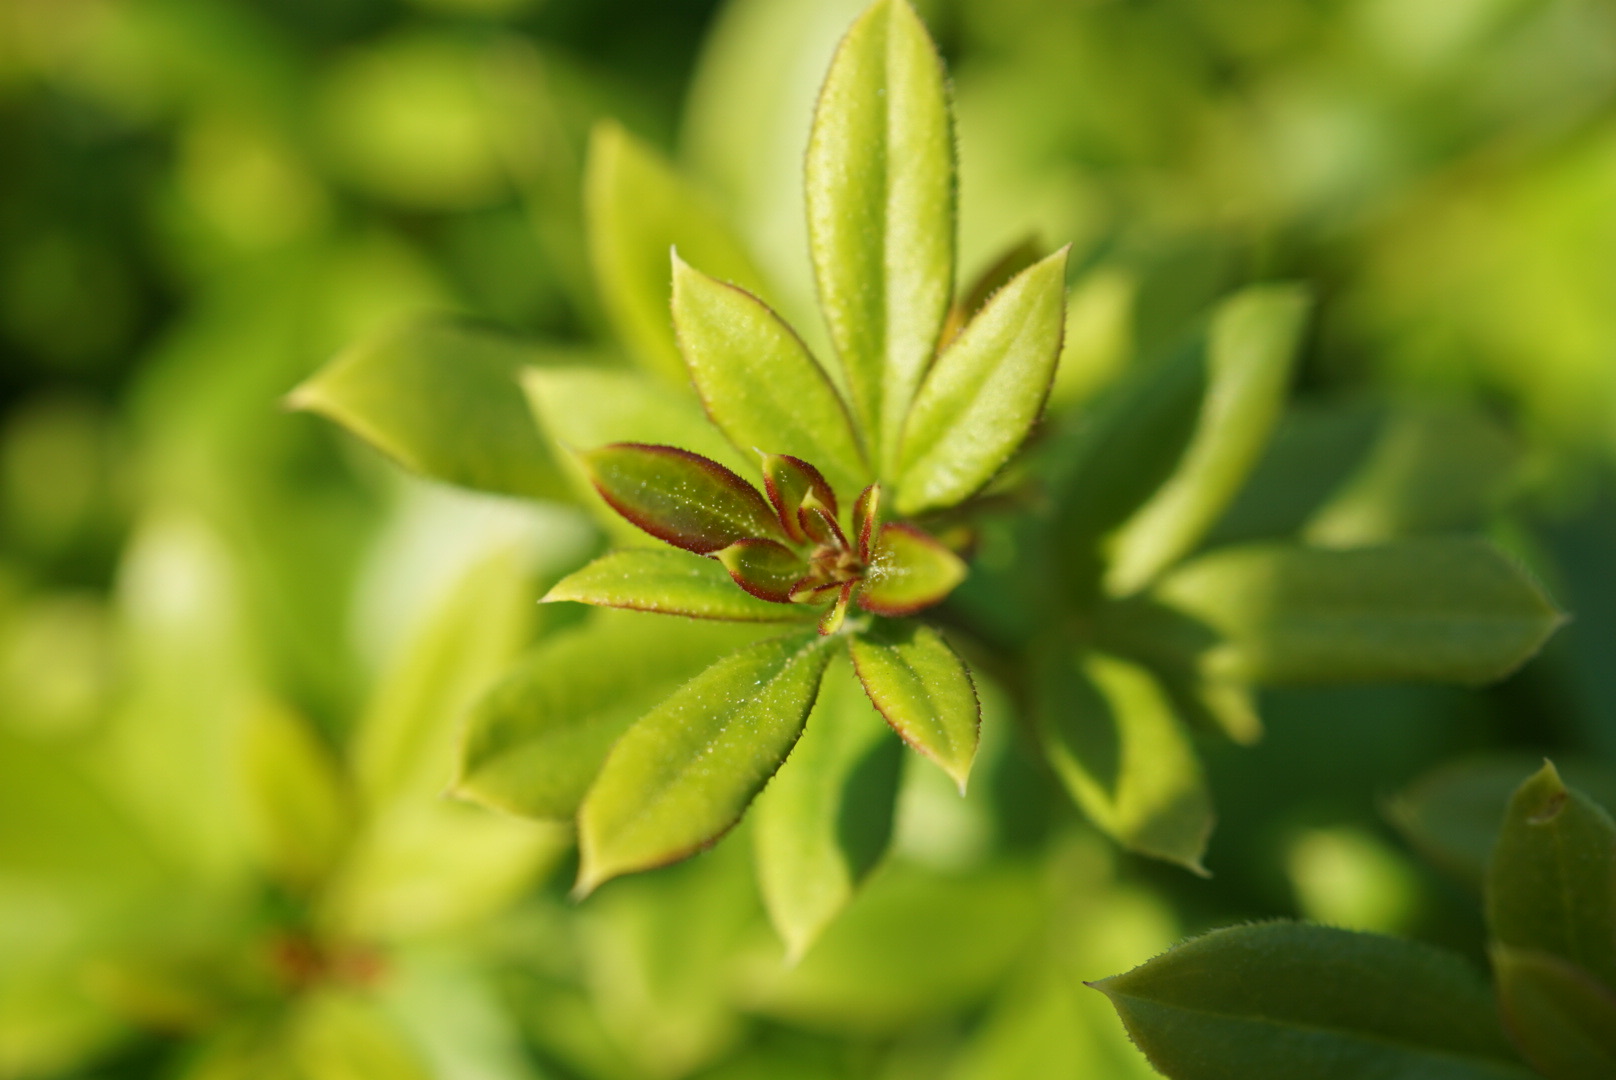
(1250,347)
(880,193)
(765,568)
(908,571)
(825,819)
(980,399)
(1561,1019)
(683,498)
(1110,731)
(1281,1001)
(637,208)
(789,482)
(867,520)
(683,775)
(760,385)
(441,398)
(1551,886)
(669,583)
(1443,610)
(923,690)
(535,742)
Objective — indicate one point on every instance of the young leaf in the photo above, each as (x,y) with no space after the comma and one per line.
(982,396)
(789,483)
(1114,740)
(1551,886)
(1013,261)
(682,776)
(670,583)
(908,571)
(1279,1001)
(535,742)
(923,690)
(683,498)
(440,398)
(1442,610)
(757,380)
(637,207)
(1251,344)
(1561,1019)
(764,568)
(880,193)
(824,821)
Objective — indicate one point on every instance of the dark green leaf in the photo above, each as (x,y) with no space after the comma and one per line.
(670,583)
(535,742)
(923,690)
(980,399)
(682,498)
(441,398)
(1562,1019)
(1282,1001)
(683,775)
(1445,610)
(825,819)
(880,193)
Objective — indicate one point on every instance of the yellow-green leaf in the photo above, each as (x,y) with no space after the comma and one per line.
(670,583)
(908,572)
(924,691)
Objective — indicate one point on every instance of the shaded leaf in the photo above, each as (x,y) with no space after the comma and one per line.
(441,398)
(637,208)
(1252,341)
(757,380)
(683,775)
(982,396)
(682,498)
(924,691)
(764,568)
(1551,886)
(1276,1001)
(535,742)
(789,482)
(669,583)
(1110,732)
(908,572)
(825,819)
(880,195)
(1560,1018)
(1446,610)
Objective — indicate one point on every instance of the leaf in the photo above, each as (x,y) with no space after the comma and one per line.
(1252,342)
(441,398)
(1016,258)
(1450,609)
(908,572)
(682,498)
(1278,1001)
(825,819)
(880,193)
(299,807)
(763,568)
(1112,736)
(758,381)
(923,690)
(682,776)
(1561,1019)
(669,583)
(535,742)
(1551,886)
(340,1035)
(638,208)
(982,396)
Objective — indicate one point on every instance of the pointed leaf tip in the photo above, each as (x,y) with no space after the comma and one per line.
(924,691)
(679,497)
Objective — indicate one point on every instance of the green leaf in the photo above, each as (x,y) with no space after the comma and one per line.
(679,497)
(758,381)
(637,208)
(441,398)
(1443,610)
(535,742)
(669,583)
(982,396)
(1551,886)
(825,819)
(765,569)
(1114,739)
(1279,1001)
(683,775)
(923,690)
(880,194)
(299,806)
(1561,1019)
(908,572)
(1251,344)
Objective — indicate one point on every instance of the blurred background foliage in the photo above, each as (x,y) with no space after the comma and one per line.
(234,644)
